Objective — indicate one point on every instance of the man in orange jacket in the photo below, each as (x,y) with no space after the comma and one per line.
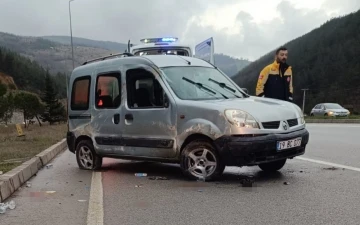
(275,80)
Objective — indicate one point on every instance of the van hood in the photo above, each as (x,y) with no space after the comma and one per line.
(262,109)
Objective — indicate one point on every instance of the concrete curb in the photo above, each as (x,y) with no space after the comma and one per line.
(332,120)
(15,178)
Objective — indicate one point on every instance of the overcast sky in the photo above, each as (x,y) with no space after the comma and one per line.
(240,28)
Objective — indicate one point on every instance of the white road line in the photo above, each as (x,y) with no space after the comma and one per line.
(329,164)
(342,125)
(95,214)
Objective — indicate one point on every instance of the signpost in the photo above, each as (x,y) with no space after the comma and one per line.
(19,130)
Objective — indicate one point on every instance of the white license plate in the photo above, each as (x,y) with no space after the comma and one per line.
(293,143)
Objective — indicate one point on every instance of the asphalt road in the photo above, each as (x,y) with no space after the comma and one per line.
(316,192)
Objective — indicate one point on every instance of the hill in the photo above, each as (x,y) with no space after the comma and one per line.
(66,40)
(227,64)
(325,60)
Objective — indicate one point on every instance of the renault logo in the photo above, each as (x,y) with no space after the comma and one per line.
(285,126)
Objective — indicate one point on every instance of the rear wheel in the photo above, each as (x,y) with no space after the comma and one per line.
(200,160)
(273,166)
(86,156)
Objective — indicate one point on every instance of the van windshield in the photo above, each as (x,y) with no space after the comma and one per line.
(200,83)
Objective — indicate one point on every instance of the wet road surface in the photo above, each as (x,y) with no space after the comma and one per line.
(316,193)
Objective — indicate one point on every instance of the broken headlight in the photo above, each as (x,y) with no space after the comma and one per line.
(241,119)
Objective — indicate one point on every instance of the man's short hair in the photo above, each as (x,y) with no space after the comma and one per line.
(282,48)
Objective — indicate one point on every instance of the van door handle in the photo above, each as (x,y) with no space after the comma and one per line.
(129,117)
(116,118)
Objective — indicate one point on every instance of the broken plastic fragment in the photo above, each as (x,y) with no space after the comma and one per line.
(11,205)
(28,184)
(49,166)
(158,178)
(140,174)
(2,208)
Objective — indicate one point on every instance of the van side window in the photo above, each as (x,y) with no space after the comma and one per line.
(143,90)
(108,91)
(80,93)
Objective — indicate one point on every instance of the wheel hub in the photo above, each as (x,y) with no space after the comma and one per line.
(202,163)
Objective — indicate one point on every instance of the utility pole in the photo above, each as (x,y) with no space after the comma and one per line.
(303,107)
(72,46)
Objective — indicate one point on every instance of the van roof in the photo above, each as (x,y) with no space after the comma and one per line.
(157,60)
(176,60)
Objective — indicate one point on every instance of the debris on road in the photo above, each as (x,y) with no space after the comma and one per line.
(9,205)
(138,186)
(301,171)
(158,178)
(1,172)
(28,184)
(286,183)
(140,174)
(248,181)
(81,200)
(330,168)
(50,192)
(49,166)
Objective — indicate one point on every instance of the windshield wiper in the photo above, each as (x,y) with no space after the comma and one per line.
(224,86)
(202,86)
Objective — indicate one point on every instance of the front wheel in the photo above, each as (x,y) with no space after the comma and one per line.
(200,160)
(86,156)
(273,166)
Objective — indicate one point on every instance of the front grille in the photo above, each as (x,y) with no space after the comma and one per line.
(271,125)
(293,122)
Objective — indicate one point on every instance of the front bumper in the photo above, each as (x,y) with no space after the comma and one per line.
(246,150)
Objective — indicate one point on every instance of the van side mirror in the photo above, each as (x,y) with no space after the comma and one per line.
(245,90)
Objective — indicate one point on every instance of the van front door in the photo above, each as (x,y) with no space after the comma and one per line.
(105,124)
(205,50)
(148,116)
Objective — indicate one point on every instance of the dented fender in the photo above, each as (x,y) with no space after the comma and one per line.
(197,126)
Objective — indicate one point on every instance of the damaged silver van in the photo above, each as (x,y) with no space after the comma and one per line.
(177,109)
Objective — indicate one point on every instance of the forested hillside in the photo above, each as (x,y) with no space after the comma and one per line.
(326,60)
(19,72)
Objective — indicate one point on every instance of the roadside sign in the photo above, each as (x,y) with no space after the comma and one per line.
(205,50)
(19,130)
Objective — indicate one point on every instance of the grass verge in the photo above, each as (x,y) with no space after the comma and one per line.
(15,150)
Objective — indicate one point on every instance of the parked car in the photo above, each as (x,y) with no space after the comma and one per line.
(329,109)
(176,109)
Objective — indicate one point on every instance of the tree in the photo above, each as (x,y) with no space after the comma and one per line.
(3,89)
(29,104)
(54,110)
(6,107)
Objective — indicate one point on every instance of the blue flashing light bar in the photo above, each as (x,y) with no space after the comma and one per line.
(157,40)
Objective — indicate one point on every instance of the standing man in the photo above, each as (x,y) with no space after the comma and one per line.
(275,80)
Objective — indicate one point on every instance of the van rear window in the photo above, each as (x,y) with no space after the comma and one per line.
(80,93)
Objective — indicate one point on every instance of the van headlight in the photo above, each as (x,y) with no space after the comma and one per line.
(241,119)
(302,119)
